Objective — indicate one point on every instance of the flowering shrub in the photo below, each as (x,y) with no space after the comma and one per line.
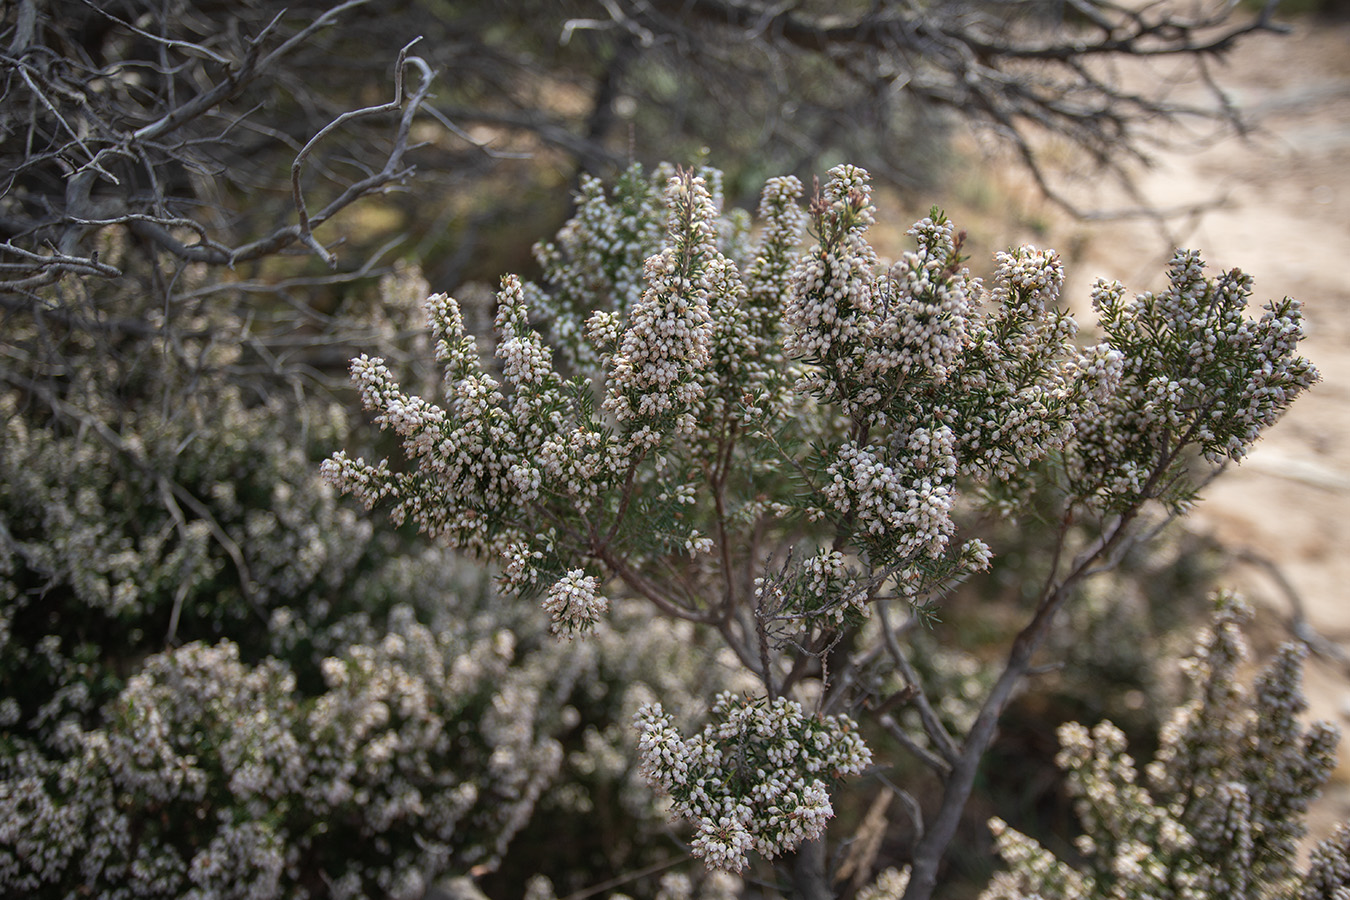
(217,681)
(786,447)
(1218,813)
(208,774)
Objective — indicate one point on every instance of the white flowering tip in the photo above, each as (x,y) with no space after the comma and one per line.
(1028,277)
(782,216)
(776,254)
(1198,375)
(923,325)
(849,193)
(575,604)
(603,328)
(525,359)
(454,348)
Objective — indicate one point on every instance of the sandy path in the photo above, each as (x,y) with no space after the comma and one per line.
(1287,223)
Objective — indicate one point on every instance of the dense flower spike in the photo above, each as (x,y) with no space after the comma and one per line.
(923,328)
(773,264)
(654,376)
(832,301)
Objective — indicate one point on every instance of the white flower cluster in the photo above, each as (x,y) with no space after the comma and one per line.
(889,884)
(1009,383)
(523,467)
(821,569)
(756,778)
(941,387)
(927,302)
(575,604)
(1032,870)
(395,321)
(914,513)
(632,660)
(483,449)
(735,362)
(90,517)
(1222,812)
(1027,385)
(1328,873)
(195,520)
(1196,372)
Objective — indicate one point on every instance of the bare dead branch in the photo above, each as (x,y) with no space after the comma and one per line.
(89,165)
(1005,67)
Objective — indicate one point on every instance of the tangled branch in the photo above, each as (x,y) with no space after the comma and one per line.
(123,126)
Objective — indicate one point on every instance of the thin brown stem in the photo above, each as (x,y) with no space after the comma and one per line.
(932,725)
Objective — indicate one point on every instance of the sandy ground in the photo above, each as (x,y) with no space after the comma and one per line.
(1286,222)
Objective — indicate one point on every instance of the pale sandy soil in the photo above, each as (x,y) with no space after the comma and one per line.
(1286,222)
